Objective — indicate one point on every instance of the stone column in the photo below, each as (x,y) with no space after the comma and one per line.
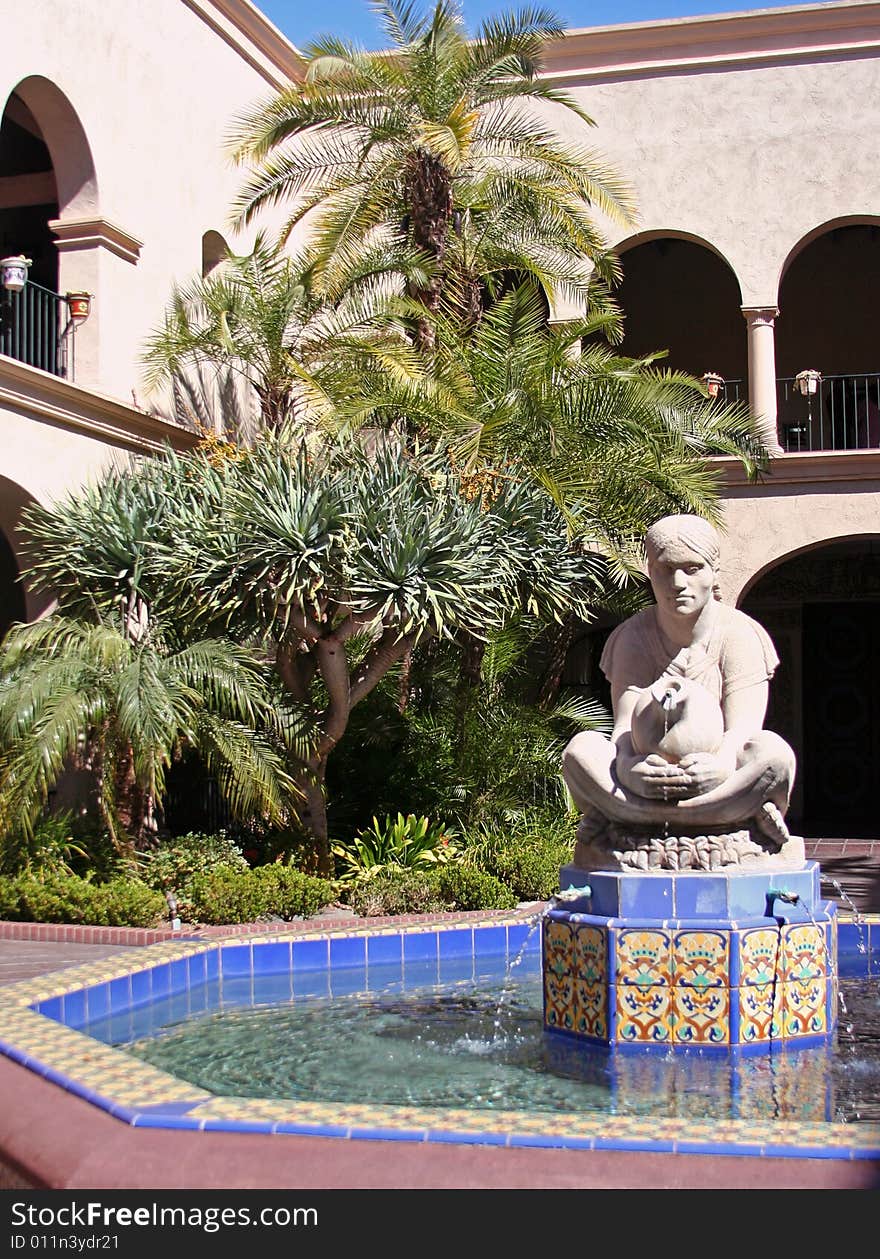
(762,371)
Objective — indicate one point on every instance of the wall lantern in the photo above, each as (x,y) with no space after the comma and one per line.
(713,383)
(14,272)
(808,382)
(79,305)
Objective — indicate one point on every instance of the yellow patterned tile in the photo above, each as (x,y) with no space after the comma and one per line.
(644,1014)
(759,952)
(804,952)
(591,954)
(760,1012)
(701,959)
(804,1007)
(644,957)
(591,1009)
(701,1015)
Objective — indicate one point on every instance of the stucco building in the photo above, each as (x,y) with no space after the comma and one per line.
(751,141)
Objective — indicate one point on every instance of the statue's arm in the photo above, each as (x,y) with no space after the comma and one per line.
(651,777)
(744,712)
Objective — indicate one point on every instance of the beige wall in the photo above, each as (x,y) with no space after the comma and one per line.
(153,88)
(746,131)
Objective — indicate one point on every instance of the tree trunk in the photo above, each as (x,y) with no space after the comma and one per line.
(313,814)
(428,194)
(472,652)
(560,642)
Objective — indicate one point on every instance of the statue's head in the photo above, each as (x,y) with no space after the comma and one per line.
(675,540)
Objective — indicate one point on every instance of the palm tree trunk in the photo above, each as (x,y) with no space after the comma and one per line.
(429,198)
(560,642)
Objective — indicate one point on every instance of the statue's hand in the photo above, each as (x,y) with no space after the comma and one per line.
(706,771)
(655,778)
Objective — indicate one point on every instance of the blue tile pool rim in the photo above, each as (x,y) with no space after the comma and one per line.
(40,1021)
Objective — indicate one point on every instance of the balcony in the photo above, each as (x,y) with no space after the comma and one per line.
(843,413)
(37,328)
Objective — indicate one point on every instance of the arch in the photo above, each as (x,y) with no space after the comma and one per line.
(822,543)
(214,251)
(17,601)
(668,275)
(72,161)
(827,303)
(831,225)
(672,233)
(821,606)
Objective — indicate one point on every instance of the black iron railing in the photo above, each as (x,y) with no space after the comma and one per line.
(35,329)
(843,413)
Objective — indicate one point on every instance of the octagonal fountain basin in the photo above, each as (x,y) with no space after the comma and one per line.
(429,1033)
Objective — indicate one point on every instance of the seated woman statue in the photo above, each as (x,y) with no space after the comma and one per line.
(689,778)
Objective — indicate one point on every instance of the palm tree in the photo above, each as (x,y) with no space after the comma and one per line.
(619,442)
(256,319)
(122,701)
(432,149)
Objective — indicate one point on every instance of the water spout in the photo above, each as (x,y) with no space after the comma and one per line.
(572,894)
(778,894)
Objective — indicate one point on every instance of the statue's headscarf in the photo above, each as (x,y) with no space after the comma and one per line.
(691,531)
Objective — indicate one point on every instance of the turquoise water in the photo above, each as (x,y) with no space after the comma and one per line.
(480,1044)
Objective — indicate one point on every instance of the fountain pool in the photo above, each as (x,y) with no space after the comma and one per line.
(430,994)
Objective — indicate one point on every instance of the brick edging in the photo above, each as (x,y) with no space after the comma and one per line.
(53,932)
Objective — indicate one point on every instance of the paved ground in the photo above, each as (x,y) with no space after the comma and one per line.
(25,959)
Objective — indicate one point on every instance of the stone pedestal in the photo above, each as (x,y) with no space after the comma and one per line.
(685,960)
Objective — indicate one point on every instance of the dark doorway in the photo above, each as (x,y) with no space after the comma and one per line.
(841,706)
(12,607)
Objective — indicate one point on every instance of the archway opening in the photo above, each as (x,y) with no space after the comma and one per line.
(214,251)
(827,318)
(12,602)
(28,193)
(822,609)
(680,296)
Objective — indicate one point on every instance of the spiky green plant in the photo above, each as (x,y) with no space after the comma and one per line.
(335,558)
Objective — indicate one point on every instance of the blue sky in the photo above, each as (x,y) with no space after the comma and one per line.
(302,21)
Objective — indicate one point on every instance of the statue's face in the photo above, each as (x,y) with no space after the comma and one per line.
(682,581)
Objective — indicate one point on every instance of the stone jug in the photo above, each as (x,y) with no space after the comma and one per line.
(676,716)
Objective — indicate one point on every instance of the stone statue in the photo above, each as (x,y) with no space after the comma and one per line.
(689,778)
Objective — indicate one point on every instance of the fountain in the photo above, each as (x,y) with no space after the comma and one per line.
(699,922)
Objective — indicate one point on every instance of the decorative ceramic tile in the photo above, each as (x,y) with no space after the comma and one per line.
(805,952)
(804,1013)
(591,1010)
(759,956)
(643,1013)
(591,954)
(760,1012)
(644,958)
(558,947)
(701,1015)
(701,959)
(559,1001)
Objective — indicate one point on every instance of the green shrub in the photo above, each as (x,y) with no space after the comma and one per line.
(426,891)
(61,844)
(409,842)
(463,887)
(292,894)
(225,895)
(527,855)
(171,866)
(119,902)
(395,890)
